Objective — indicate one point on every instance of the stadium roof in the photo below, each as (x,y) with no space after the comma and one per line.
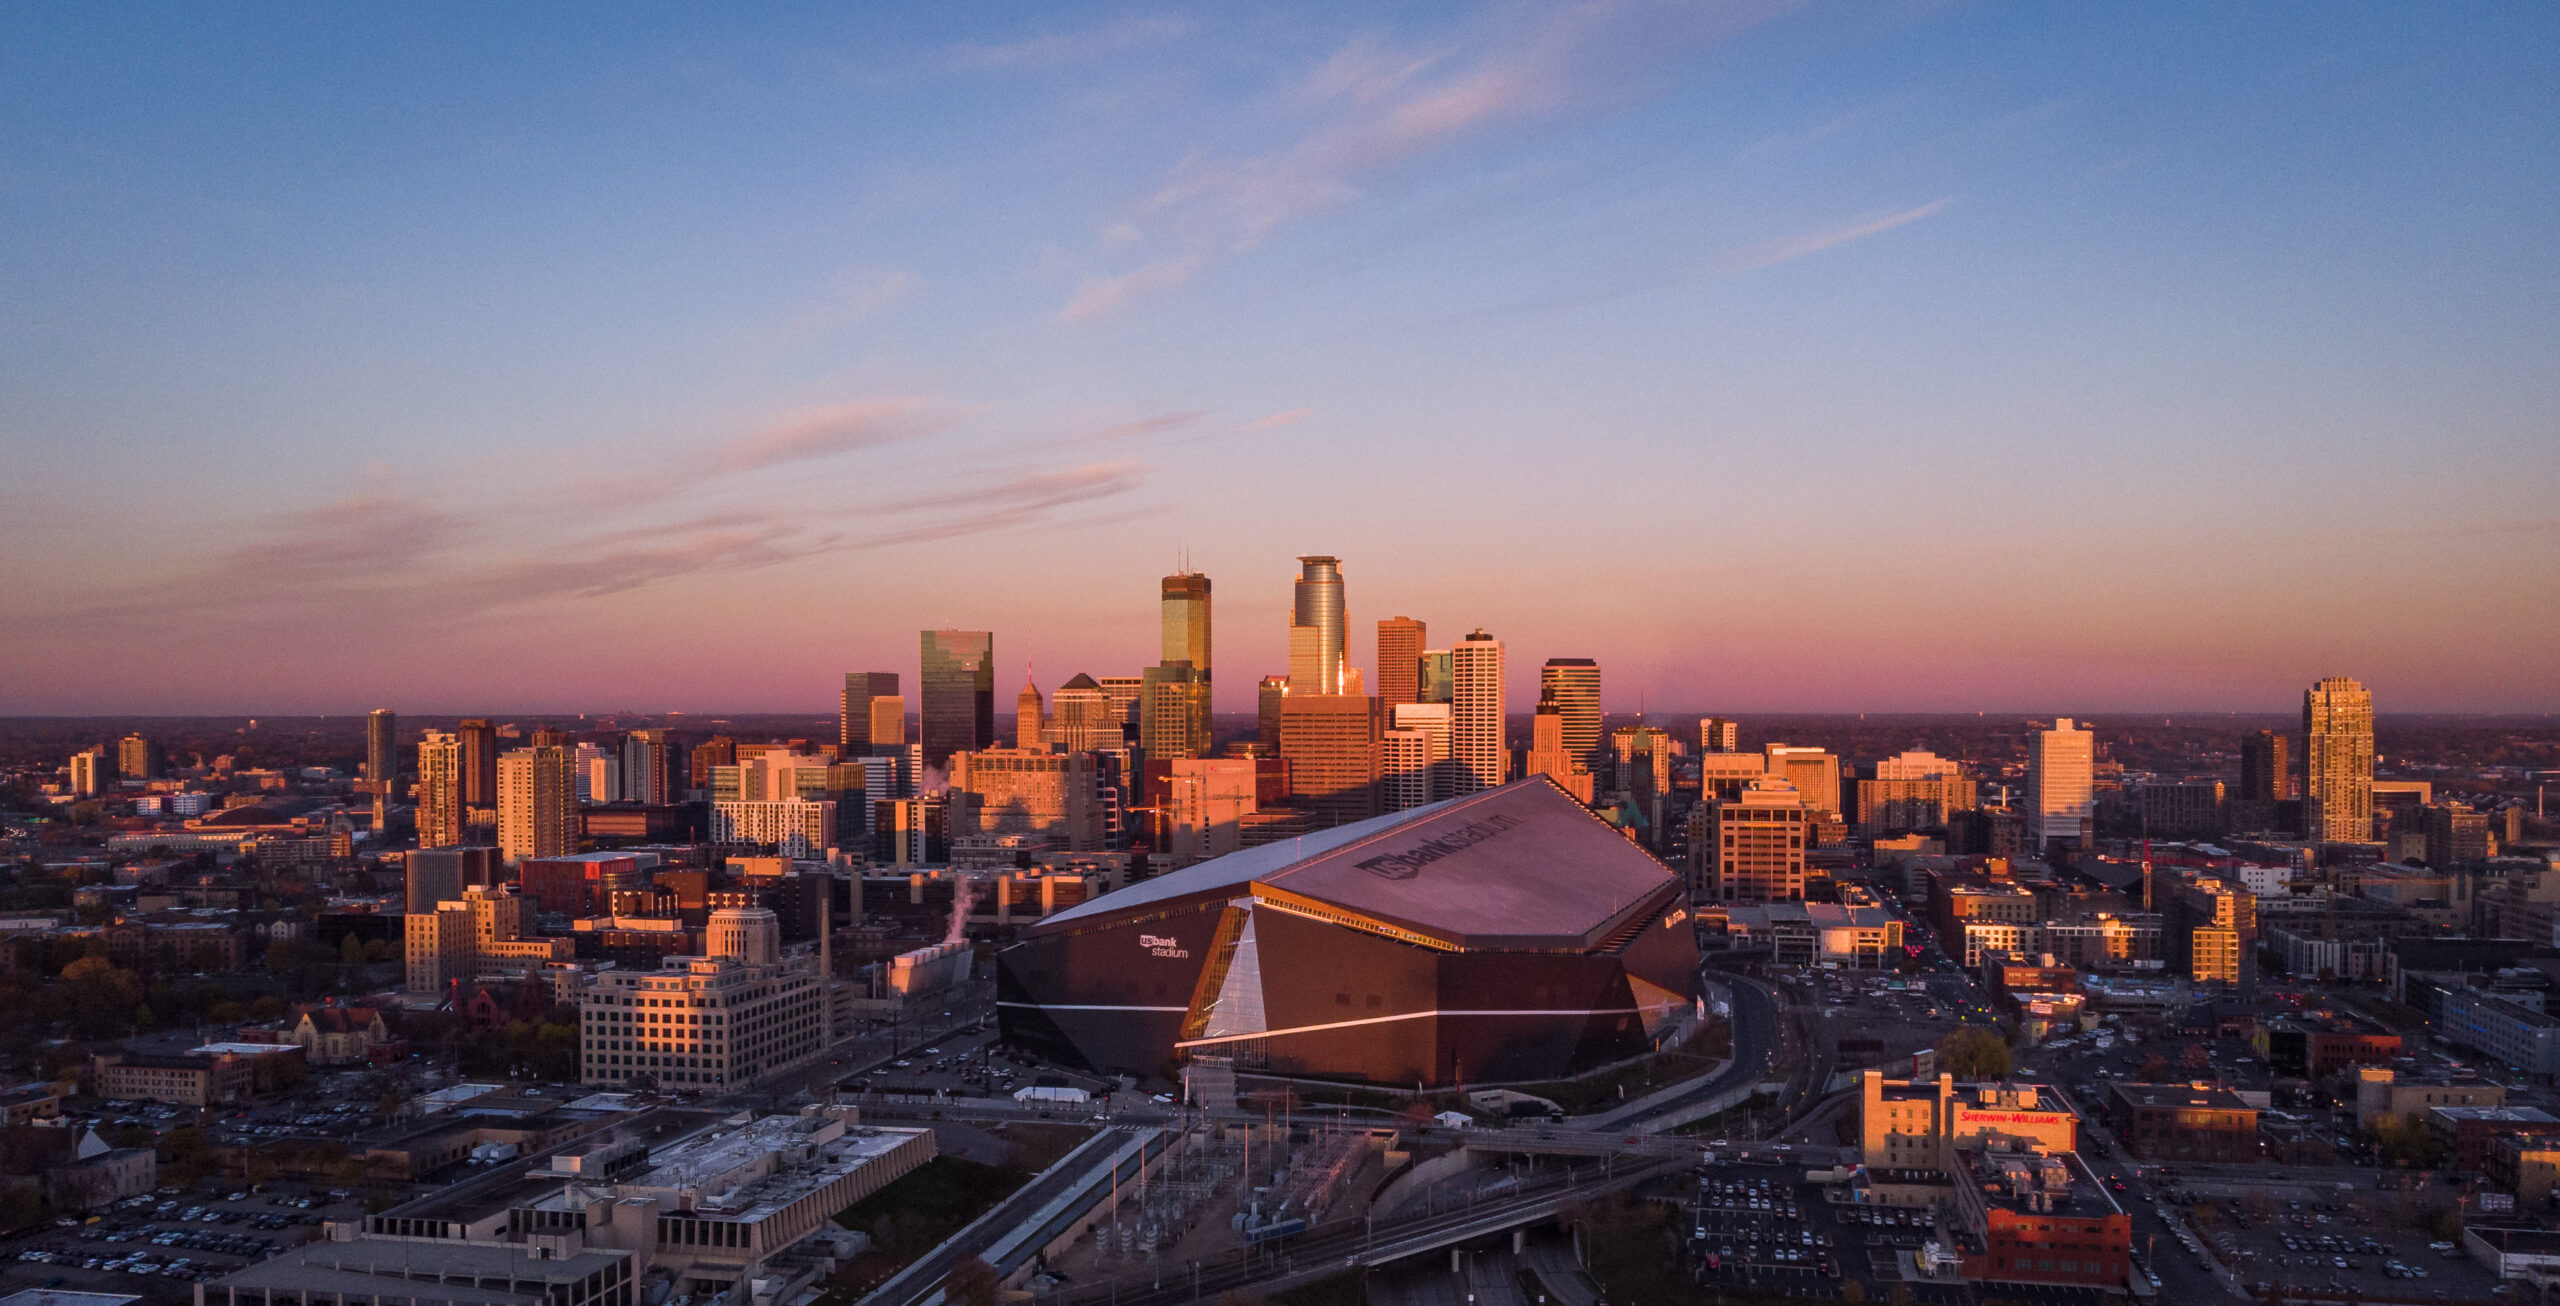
(1520,864)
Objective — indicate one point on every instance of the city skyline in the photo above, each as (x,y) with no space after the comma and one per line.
(499,381)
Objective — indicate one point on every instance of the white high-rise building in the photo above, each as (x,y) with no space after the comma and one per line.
(1405,769)
(1432,720)
(2061,770)
(1475,714)
(2337,761)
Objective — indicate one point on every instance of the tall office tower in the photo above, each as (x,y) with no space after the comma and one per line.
(708,756)
(1815,773)
(1404,770)
(382,748)
(1718,735)
(1399,661)
(537,804)
(1432,719)
(548,737)
(1173,712)
(1186,622)
(138,758)
(1043,794)
(1331,742)
(647,760)
(441,817)
(858,720)
(437,875)
(1548,755)
(1316,651)
(91,772)
(1574,685)
(479,762)
(2337,762)
(959,693)
(1475,714)
(1030,717)
(2265,769)
(1432,682)
(1123,692)
(1914,791)
(1081,719)
(2061,767)
(1268,696)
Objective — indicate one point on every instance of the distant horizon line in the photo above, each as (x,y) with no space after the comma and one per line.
(1682,715)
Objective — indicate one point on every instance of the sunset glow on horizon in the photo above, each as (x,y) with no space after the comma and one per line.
(1780,358)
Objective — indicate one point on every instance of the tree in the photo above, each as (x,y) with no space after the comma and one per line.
(1854,1293)
(1973,1054)
(973,1282)
(2407,1141)
(351,951)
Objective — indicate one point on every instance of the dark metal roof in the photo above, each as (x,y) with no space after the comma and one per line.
(1523,865)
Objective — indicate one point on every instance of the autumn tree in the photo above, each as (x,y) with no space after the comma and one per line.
(1973,1054)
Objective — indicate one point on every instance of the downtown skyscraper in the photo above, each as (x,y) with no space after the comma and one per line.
(1481,761)
(1173,701)
(959,708)
(2337,762)
(1400,641)
(1317,664)
(1573,685)
(870,716)
(479,739)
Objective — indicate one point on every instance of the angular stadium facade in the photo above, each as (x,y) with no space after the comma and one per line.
(1509,935)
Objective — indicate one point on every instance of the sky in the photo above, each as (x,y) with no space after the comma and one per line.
(1820,357)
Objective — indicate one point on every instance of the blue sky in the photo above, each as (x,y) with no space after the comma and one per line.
(1882,357)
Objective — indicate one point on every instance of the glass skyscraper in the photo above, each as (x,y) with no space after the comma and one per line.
(959,708)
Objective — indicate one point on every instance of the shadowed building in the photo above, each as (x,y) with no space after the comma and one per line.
(959,693)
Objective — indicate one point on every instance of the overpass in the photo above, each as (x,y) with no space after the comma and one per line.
(1339,1249)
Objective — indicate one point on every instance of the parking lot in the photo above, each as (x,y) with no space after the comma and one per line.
(161,1244)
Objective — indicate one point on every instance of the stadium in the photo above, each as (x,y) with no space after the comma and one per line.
(1502,937)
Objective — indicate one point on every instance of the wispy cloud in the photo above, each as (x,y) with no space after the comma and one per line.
(1141,428)
(1277,420)
(1023,499)
(841,428)
(1796,247)
(1061,49)
(1371,106)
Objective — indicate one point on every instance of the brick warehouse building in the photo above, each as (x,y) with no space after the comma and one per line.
(1507,935)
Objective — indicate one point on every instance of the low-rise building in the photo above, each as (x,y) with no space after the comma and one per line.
(2381,1092)
(2467,1130)
(2527,1165)
(2040,1217)
(2183,1122)
(347,1265)
(1919,1124)
(2529,1254)
(214,1075)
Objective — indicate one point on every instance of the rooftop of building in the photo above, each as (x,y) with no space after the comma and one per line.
(1521,864)
(2499,1115)
(748,1172)
(1819,914)
(58,1297)
(2527,1242)
(2037,1183)
(2200,1096)
(374,1267)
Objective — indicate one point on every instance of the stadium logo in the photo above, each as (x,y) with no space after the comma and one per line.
(1160,945)
(1409,863)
